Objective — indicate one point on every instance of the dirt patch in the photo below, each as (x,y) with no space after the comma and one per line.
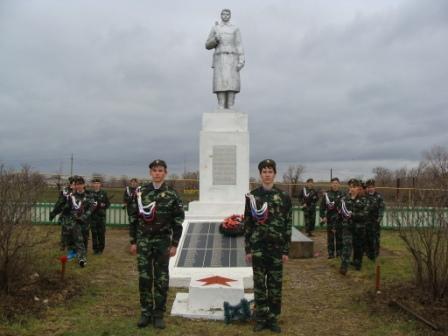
(37,297)
(409,295)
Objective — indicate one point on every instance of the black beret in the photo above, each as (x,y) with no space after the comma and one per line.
(158,163)
(79,180)
(268,163)
(370,182)
(96,179)
(354,183)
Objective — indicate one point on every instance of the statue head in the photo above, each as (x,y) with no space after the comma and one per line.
(225,15)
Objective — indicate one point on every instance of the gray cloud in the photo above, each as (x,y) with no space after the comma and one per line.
(119,83)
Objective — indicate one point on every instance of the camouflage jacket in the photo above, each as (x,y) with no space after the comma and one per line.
(130,200)
(168,216)
(81,206)
(275,230)
(308,197)
(376,207)
(353,211)
(61,205)
(330,210)
(101,202)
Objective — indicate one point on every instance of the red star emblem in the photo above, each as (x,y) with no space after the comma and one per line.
(216,280)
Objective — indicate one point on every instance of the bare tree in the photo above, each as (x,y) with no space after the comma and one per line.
(292,177)
(19,191)
(293,174)
(425,233)
(436,164)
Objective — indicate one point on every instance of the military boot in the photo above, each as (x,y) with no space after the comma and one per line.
(144,321)
(259,326)
(274,327)
(159,323)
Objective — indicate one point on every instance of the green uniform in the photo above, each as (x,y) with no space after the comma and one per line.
(354,213)
(81,207)
(155,232)
(267,238)
(61,207)
(130,200)
(328,209)
(308,198)
(376,207)
(98,219)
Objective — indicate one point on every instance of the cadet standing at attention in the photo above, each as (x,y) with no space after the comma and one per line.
(376,207)
(130,204)
(308,198)
(155,239)
(98,219)
(353,211)
(329,214)
(268,222)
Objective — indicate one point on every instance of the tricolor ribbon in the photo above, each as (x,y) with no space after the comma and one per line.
(344,211)
(306,194)
(147,212)
(128,191)
(330,205)
(76,204)
(260,215)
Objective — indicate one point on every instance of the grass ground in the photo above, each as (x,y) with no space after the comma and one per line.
(316,299)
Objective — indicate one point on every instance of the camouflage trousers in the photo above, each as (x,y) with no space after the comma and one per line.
(309,215)
(79,238)
(346,252)
(66,233)
(98,228)
(268,273)
(334,237)
(359,234)
(153,260)
(372,239)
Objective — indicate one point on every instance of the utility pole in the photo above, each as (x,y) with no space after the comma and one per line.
(71,165)
(331,174)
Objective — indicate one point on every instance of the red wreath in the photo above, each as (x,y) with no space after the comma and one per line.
(232,226)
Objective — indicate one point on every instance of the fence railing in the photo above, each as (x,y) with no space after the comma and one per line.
(116,216)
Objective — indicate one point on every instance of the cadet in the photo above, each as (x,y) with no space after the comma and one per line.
(353,208)
(130,204)
(61,207)
(329,214)
(267,221)
(98,218)
(375,214)
(81,207)
(156,238)
(308,198)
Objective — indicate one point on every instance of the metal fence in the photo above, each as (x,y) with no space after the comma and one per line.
(116,215)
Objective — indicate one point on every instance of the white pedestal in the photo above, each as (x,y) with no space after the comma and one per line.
(206,298)
(223,165)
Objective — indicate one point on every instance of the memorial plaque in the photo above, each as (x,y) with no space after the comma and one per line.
(224,165)
(205,246)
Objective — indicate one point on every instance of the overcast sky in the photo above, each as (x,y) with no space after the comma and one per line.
(347,85)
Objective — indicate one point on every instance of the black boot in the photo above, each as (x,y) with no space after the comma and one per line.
(274,327)
(259,326)
(144,321)
(159,323)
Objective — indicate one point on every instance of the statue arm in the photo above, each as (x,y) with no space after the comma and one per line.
(212,41)
(240,51)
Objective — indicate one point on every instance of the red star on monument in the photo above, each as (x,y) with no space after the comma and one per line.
(216,280)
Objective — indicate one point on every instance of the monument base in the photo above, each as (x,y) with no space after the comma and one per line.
(301,246)
(207,295)
(217,211)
